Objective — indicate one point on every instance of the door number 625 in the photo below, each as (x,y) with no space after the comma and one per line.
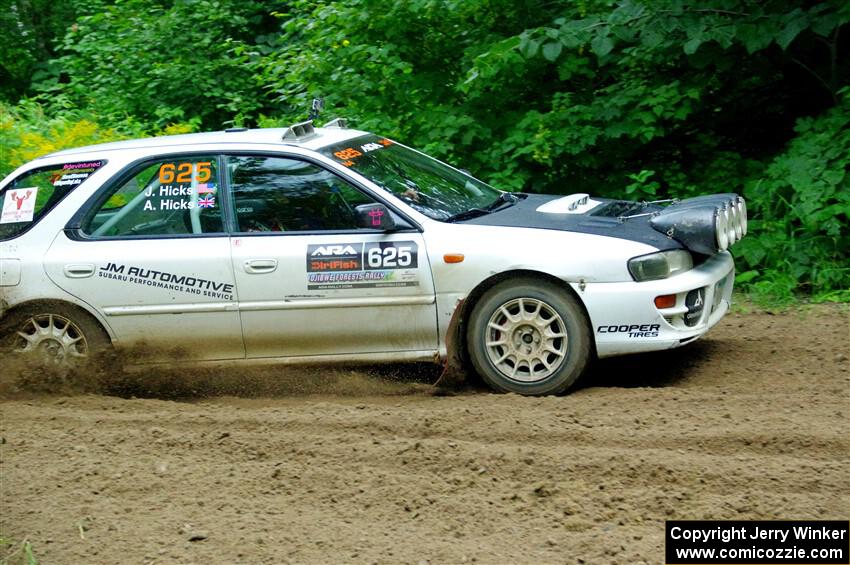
(389,257)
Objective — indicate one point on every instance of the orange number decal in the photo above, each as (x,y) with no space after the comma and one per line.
(348,154)
(166,173)
(203,171)
(184,172)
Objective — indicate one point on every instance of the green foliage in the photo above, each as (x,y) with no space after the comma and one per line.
(803,223)
(28,131)
(142,59)
(641,187)
(642,99)
(32,31)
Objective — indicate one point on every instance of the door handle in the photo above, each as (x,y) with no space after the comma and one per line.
(79,271)
(260,266)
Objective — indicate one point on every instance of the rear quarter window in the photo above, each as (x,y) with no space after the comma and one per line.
(32,195)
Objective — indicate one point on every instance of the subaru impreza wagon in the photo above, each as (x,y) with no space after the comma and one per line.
(310,245)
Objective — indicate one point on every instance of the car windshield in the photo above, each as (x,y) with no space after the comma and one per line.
(427,185)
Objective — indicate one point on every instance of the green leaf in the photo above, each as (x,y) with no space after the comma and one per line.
(690,47)
(753,37)
(833,176)
(651,38)
(602,44)
(529,48)
(746,276)
(823,25)
(791,30)
(552,50)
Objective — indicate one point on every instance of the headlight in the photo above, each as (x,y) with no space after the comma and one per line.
(739,226)
(660,265)
(704,224)
(734,223)
(721,227)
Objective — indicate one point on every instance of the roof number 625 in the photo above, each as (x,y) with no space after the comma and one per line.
(182,172)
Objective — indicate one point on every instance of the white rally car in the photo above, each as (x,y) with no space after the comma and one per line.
(306,244)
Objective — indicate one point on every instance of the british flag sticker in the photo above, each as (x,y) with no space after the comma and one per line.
(206,202)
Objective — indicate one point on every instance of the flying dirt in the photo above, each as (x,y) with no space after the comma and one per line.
(374,465)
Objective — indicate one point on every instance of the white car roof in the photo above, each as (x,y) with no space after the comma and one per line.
(268,136)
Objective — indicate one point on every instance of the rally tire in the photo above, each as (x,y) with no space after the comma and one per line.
(528,336)
(54,335)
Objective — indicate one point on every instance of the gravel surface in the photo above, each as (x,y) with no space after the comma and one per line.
(371,466)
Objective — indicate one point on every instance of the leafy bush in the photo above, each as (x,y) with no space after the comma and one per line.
(158,62)
(28,130)
(802,226)
(623,98)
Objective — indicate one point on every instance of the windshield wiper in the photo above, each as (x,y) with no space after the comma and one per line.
(467,215)
(503,199)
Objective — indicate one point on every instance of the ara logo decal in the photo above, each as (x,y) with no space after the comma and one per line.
(332,250)
(336,257)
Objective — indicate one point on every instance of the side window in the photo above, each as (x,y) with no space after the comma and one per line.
(167,197)
(32,195)
(279,194)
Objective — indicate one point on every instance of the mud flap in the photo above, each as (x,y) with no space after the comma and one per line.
(454,372)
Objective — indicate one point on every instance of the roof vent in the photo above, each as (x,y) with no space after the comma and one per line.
(340,123)
(235,130)
(299,132)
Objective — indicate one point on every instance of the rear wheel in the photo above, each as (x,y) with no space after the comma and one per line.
(56,336)
(528,336)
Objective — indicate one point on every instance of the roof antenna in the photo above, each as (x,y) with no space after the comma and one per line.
(316,107)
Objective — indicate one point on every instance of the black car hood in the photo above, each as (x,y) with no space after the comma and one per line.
(601,220)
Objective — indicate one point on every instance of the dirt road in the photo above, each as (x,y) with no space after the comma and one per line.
(343,466)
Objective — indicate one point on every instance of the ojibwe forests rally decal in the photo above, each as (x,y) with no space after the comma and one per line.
(167,281)
(362,265)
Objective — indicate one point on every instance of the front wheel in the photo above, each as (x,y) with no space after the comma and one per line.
(528,336)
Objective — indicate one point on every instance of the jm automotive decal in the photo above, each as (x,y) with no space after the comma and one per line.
(168,281)
(362,265)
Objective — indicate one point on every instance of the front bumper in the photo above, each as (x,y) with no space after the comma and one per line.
(626,320)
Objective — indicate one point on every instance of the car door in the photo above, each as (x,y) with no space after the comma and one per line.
(310,282)
(152,256)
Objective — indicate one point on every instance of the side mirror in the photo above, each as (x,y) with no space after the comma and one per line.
(374,217)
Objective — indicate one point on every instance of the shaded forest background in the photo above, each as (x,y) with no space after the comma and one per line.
(638,99)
